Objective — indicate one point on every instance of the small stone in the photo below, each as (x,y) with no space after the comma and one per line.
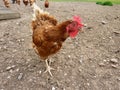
(22,40)
(30,80)
(8,68)
(8,77)
(18,40)
(5,47)
(76,43)
(116,32)
(101,64)
(103,22)
(114,66)
(64,89)
(110,37)
(117,51)
(114,60)
(63,52)
(69,56)
(13,66)
(80,61)
(17,69)
(1,40)
(85,25)
(40,72)
(79,70)
(118,78)
(17,23)
(103,38)
(53,88)
(105,60)
(12,56)
(90,28)
(10,42)
(14,50)
(65,74)
(20,76)
(88,84)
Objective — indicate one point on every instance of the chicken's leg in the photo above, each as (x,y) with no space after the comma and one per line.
(48,68)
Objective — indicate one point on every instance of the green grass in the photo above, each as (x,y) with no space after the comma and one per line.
(106,3)
(113,1)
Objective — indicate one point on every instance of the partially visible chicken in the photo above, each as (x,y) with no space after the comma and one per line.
(31,2)
(13,1)
(48,35)
(18,2)
(6,3)
(25,2)
(46,3)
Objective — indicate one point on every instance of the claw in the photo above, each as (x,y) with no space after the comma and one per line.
(48,68)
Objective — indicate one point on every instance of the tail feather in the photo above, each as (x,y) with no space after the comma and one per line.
(41,17)
(37,10)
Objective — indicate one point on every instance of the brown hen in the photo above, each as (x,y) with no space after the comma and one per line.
(48,34)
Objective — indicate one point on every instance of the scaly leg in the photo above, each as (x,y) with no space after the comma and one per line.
(34,47)
(48,68)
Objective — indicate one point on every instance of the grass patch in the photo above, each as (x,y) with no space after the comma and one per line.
(100,3)
(106,3)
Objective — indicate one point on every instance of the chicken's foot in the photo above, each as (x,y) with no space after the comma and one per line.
(48,68)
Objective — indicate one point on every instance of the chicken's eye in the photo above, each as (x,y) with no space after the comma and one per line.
(74,24)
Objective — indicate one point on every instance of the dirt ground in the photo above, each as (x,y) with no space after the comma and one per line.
(91,61)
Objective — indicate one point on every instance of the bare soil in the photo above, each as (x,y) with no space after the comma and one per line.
(91,61)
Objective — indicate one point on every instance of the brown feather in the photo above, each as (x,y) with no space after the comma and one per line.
(48,36)
(25,2)
(31,2)
(46,4)
(18,2)
(6,3)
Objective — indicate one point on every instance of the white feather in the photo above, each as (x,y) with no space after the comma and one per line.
(37,10)
(34,17)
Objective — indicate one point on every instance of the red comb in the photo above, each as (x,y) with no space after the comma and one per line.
(74,27)
(78,20)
